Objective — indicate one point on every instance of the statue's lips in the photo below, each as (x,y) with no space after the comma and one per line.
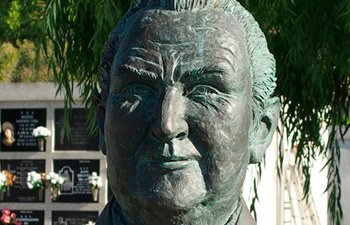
(171,164)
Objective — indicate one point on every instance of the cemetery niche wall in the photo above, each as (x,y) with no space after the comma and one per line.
(17,127)
(80,137)
(73,218)
(35,155)
(19,191)
(30,217)
(76,187)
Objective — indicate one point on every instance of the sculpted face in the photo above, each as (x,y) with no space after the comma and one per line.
(8,134)
(178,116)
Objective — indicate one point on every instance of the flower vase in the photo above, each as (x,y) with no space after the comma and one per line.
(40,194)
(8,191)
(2,195)
(95,194)
(55,192)
(41,144)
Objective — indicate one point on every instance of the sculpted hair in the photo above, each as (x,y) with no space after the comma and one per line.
(262,63)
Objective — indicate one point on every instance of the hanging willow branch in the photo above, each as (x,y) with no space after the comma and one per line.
(311,44)
(78,30)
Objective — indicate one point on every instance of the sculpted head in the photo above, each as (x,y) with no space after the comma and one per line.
(8,136)
(185,106)
(8,133)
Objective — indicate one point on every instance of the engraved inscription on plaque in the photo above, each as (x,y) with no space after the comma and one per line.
(17,126)
(73,217)
(76,187)
(20,192)
(79,138)
(29,217)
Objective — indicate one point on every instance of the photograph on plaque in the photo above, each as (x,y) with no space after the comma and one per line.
(73,217)
(76,187)
(79,137)
(29,217)
(20,192)
(17,126)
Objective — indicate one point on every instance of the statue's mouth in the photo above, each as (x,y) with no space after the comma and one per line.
(173,163)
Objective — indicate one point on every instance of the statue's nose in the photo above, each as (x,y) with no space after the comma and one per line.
(170,122)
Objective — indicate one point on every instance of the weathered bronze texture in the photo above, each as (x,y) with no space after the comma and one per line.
(184,108)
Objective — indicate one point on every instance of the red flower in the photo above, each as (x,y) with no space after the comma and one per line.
(6,211)
(13,216)
(7,219)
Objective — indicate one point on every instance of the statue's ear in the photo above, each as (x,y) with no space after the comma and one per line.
(100,108)
(265,126)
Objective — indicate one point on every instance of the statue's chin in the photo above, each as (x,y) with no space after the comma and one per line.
(178,197)
(173,201)
(177,190)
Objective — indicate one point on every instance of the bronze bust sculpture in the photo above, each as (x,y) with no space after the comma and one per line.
(184,108)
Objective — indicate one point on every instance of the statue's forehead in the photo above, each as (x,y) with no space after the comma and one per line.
(195,34)
(163,41)
(172,26)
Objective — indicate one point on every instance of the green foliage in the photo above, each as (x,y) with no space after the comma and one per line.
(334,180)
(8,61)
(20,34)
(17,64)
(21,19)
(13,16)
(310,41)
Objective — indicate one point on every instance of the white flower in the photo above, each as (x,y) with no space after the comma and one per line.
(2,177)
(41,132)
(60,180)
(34,180)
(30,185)
(2,180)
(55,179)
(90,223)
(95,181)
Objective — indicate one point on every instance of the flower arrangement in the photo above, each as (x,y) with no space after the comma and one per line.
(41,132)
(35,180)
(54,179)
(6,180)
(95,181)
(10,178)
(8,218)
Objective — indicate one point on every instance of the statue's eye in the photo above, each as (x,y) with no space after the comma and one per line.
(139,89)
(201,90)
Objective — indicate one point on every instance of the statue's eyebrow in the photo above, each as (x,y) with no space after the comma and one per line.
(137,72)
(199,72)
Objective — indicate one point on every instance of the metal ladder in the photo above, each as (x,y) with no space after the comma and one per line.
(296,210)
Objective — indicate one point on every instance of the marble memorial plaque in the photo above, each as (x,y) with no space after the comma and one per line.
(76,188)
(80,137)
(20,192)
(17,126)
(30,217)
(73,217)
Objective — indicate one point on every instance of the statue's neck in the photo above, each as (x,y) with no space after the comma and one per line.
(113,215)
(206,217)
